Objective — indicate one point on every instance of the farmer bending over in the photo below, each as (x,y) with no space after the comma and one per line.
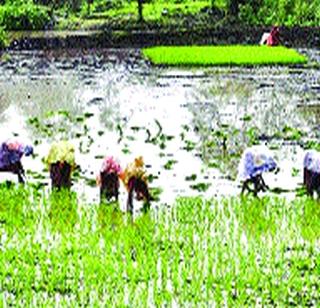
(61,161)
(272,38)
(135,179)
(254,162)
(11,153)
(311,172)
(108,179)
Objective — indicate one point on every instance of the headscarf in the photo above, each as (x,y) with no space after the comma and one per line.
(273,38)
(311,161)
(11,152)
(109,165)
(254,161)
(61,151)
(135,169)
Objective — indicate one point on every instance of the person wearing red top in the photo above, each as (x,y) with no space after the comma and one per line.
(272,38)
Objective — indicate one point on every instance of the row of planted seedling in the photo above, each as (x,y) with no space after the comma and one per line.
(235,251)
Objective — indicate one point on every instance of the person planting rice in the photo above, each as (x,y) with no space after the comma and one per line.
(61,161)
(272,38)
(108,179)
(11,153)
(311,172)
(254,162)
(135,180)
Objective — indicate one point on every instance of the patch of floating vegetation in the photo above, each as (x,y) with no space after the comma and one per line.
(233,252)
(222,55)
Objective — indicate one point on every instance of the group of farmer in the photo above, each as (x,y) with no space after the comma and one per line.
(255,161)
(61,163)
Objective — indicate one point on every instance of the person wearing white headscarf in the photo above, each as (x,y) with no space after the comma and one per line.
(311,172)
(255,161)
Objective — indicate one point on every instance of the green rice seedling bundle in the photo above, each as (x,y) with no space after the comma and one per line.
(222,55)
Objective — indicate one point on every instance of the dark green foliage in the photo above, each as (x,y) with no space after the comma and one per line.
(3,38)
(24,16)
(73,5)
(281,12)
(18,14)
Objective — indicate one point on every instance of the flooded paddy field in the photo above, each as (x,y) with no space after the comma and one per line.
(190,125)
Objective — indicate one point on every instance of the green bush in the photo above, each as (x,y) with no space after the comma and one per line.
(282,12)
(27,16)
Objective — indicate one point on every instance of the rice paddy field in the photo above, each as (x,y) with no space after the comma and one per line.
(201,244)
(222,55)
(57,251)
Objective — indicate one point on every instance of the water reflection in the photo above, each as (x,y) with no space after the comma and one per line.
(109,102)
(311,114)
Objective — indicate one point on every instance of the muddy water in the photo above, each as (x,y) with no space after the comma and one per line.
(187,123)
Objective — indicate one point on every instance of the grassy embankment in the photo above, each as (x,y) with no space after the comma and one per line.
(157,14)
(125,15)
(189,13)
(237,252)
(222,55)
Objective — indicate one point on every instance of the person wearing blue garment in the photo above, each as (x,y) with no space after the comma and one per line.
(255,161)
(11,153)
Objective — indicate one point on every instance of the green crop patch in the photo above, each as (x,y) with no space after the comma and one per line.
(56,250)
(222,55)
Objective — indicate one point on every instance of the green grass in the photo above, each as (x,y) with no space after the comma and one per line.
(24,16)
(56,250)
(222,55)
(125,16)
(156,11)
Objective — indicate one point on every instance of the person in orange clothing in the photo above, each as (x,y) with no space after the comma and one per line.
(135,180)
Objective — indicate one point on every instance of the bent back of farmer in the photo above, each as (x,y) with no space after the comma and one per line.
(255,161)
(61,162)
(108,179)
(272,38)
(11,153)
(134,178)
(311,172)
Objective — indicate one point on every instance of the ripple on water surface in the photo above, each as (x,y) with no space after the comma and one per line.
(184,122)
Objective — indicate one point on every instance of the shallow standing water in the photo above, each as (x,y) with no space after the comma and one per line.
(190,125)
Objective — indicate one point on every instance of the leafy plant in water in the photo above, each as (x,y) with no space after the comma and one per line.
(291,133)
(312,144)
(169,164)
(201,187)
(192,177)
(189,145)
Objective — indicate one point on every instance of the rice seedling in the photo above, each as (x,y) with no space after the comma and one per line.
(58,250)
(222,55)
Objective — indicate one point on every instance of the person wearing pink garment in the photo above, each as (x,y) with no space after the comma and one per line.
(272,38)
(108,179)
